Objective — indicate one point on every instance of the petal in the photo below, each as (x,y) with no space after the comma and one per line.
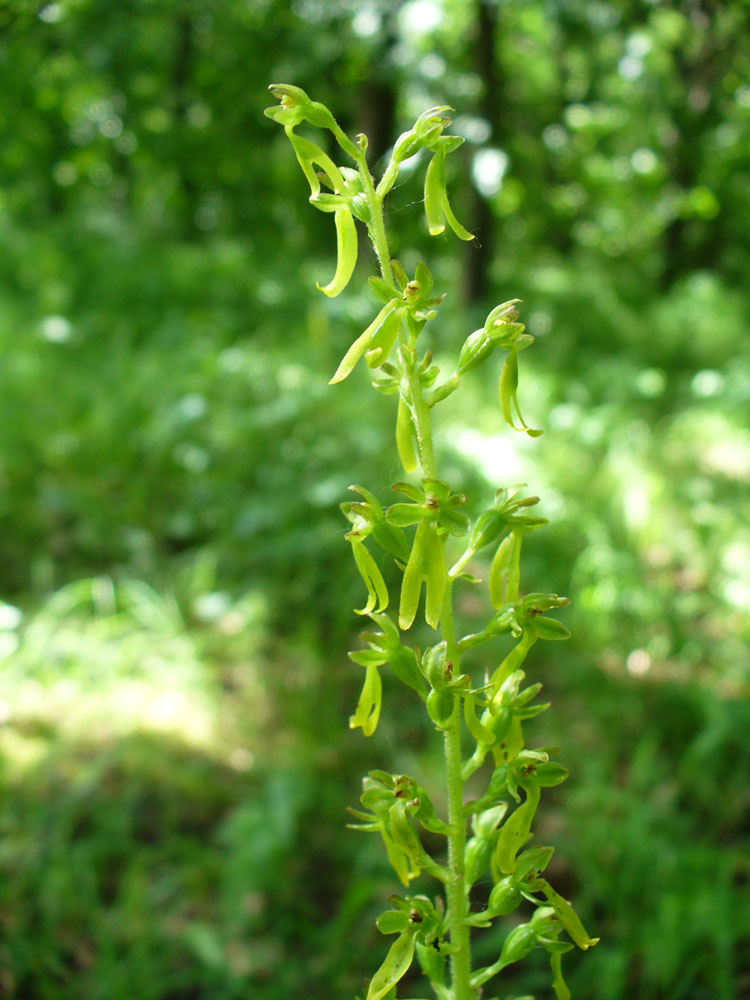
(434,186)
(373,579)
(346,249)
(370,700)
(362,344)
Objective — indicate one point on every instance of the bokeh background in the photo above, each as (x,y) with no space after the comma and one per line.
(174,688)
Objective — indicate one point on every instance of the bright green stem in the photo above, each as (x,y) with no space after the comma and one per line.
(421,416)
(455,889)
(419,410)
(377,223)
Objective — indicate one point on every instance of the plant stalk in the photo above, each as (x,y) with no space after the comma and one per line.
(421,416)
(377,228)
(456,885)
(455,888)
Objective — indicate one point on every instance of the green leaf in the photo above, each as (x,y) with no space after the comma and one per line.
(395,966)
(373,579)
(346,249)
(370,700)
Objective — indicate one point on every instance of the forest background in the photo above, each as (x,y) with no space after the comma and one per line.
(174,687)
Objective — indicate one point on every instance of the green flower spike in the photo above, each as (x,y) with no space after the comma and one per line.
(415,533)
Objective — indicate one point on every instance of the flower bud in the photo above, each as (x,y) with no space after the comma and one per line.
(406,146)
(504,898)
(440,708)
(477,348)
(487,529)
(434,666)
(477,857)
(296,107)
(518,944)
(506,312)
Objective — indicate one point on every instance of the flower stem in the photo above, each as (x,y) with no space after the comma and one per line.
(456,886)
(377,223)
(421,416)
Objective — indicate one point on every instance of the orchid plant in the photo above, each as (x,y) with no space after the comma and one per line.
(432,542)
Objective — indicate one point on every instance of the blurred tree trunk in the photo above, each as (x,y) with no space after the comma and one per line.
(377,110)
(182,66)
(690,244)
(490,107)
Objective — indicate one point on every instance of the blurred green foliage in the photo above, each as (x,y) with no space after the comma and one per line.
(172,812)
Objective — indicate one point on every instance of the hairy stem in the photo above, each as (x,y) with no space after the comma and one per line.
(377,223)
(420,413)
(456,887)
